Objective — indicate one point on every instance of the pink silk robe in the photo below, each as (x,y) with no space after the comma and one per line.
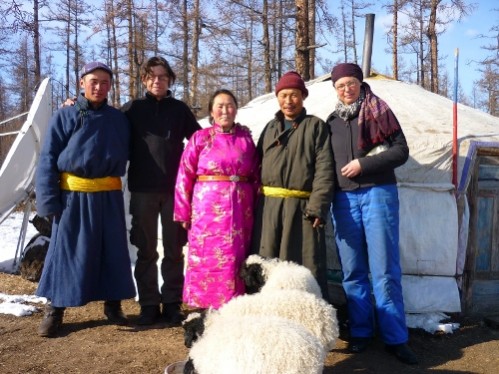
(220,213)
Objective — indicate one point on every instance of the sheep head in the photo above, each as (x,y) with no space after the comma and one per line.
(253,277)
(193,327)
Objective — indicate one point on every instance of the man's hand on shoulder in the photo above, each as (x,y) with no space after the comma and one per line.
(69,102)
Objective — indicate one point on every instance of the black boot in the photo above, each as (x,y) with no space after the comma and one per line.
(172,314)
(51,322)
(149,315)
(114,313)
(403,353)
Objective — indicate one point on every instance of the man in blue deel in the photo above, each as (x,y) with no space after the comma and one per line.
(78,183)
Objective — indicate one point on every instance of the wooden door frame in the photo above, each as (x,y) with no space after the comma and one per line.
(469,272)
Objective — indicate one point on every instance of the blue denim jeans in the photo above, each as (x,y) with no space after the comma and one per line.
(366,223)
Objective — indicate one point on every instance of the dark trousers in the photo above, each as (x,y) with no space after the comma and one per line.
(145,209)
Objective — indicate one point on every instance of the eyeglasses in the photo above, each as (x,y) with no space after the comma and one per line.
(161,78)
(343,86)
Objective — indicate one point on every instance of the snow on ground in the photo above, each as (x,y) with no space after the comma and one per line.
(10,229)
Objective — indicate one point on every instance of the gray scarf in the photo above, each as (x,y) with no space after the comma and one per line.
(347,112)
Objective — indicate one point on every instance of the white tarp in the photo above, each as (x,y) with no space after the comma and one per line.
(428,244)
(18,169)
(428,294)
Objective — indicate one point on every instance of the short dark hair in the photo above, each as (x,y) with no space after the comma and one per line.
(158,61)
(221,91)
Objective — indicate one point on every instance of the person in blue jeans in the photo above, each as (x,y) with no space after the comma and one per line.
(368,144)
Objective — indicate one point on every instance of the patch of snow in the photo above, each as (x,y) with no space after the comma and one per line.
(431,322)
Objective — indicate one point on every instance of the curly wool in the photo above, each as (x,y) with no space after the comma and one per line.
(263,274)
(251,344)
(304,308)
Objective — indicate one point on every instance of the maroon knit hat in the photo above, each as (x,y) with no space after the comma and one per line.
(347,70)
(291,79)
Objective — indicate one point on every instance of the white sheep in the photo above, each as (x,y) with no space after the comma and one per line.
(312,312)
(261,274)
(255,345)
(305,308)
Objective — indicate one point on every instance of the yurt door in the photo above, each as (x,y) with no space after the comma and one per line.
(482,262)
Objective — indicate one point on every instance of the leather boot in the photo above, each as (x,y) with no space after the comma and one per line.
(114,313)
(51,322)
(172,314)
(358,345)
(403,353)
(149,315)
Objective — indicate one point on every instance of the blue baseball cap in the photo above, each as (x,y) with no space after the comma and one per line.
(94,65)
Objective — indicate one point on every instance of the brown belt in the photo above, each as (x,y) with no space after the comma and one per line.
(222,178)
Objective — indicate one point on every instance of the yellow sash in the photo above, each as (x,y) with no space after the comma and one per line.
(71,182)
(284,192)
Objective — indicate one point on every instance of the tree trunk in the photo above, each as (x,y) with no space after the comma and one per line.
(432,36)
(21,75)
(311,38)
(302,54)
(249,58)
(185,54)
(345,39)
(140,46)
(130,49)
(280,31)
(354,39)
(195,56)
(266,47)
(395,40)
(421,46)
(68,56)
(76,49)
(36,42)
(110,21)
(156,29)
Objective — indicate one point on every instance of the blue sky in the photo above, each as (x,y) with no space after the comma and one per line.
(461,35)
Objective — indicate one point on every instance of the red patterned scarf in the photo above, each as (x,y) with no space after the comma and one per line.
(376,120)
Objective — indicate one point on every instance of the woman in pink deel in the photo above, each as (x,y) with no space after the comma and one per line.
(215,194)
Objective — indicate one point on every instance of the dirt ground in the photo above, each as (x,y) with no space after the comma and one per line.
(88,344)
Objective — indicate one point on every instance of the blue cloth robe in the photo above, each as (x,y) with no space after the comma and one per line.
(88,256)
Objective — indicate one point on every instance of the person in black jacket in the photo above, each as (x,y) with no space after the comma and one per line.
(368,144)
(159,126)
